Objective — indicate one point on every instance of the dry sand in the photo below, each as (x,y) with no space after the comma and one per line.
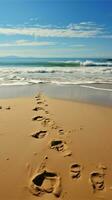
(53,149)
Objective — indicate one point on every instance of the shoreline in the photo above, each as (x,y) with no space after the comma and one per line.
(79,93)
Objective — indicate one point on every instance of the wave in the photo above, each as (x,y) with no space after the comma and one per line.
(58,63)
(52,70)
(55,82)
(97,88)
(55,75)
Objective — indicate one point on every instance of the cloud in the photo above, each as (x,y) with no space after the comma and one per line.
(26,43)
(81,30)
(49,32)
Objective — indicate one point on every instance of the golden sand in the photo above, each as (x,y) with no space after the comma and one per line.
(53,149)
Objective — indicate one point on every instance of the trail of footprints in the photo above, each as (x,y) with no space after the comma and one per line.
(46,181)
(6,108)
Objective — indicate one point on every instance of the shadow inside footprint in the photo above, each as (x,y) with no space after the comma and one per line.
(8,108)
(46,182)
(40,102)
(37,118)
(60,146)
(40,134)
(57,145)
(97,180)
(61,131)
(75,170)
(38,108)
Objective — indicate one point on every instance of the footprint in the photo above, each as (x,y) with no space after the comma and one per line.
(38,108)
(40,102)
(37,118)
(60,146)
(97,180)
(61,131)
(47,112)
(49,122)
(39,96)
(0,107)
(46,182)
(8,108)
(46,121)
(57,145)
(75,170)
(39,134)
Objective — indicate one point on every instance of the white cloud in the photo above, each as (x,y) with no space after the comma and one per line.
(81,30)
(49,32)
(26,43)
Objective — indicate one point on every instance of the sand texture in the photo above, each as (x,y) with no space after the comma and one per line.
(54,149)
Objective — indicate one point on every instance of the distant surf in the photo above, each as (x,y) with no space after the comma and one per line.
(22,71)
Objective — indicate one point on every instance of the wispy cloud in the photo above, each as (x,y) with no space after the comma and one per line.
(81,30)
(26,43)
(45,32)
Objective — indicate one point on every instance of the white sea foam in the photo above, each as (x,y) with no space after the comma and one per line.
(55,75)
(97,88)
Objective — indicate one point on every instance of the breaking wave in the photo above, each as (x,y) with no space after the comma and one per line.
(76,71)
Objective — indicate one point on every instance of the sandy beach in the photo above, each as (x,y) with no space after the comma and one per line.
(56,100)
(54,149)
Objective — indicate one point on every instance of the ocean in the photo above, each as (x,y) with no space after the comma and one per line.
(81,79)
(63,71)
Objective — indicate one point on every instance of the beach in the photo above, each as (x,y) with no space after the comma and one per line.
(54,149)
(55,100)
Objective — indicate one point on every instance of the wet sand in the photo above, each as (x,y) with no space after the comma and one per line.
(54,149)
(98,94)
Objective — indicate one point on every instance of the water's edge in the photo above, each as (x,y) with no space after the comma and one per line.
(100,94)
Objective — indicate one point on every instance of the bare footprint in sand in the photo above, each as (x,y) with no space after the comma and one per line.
(61,131)
(40,134)
(8,108)
(75,170)
(40,102)
(38,108)
(37,118)
(0,107)
(46,111)
(49,122)
(60,146)
(97,180)
(46,182)
(39,96)
(57,145)
(46,121)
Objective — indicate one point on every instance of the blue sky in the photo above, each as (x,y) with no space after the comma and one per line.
(56,28)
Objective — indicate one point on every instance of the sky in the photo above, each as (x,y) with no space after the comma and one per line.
(56,28)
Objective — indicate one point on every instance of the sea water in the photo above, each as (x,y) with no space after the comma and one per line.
(63,71)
